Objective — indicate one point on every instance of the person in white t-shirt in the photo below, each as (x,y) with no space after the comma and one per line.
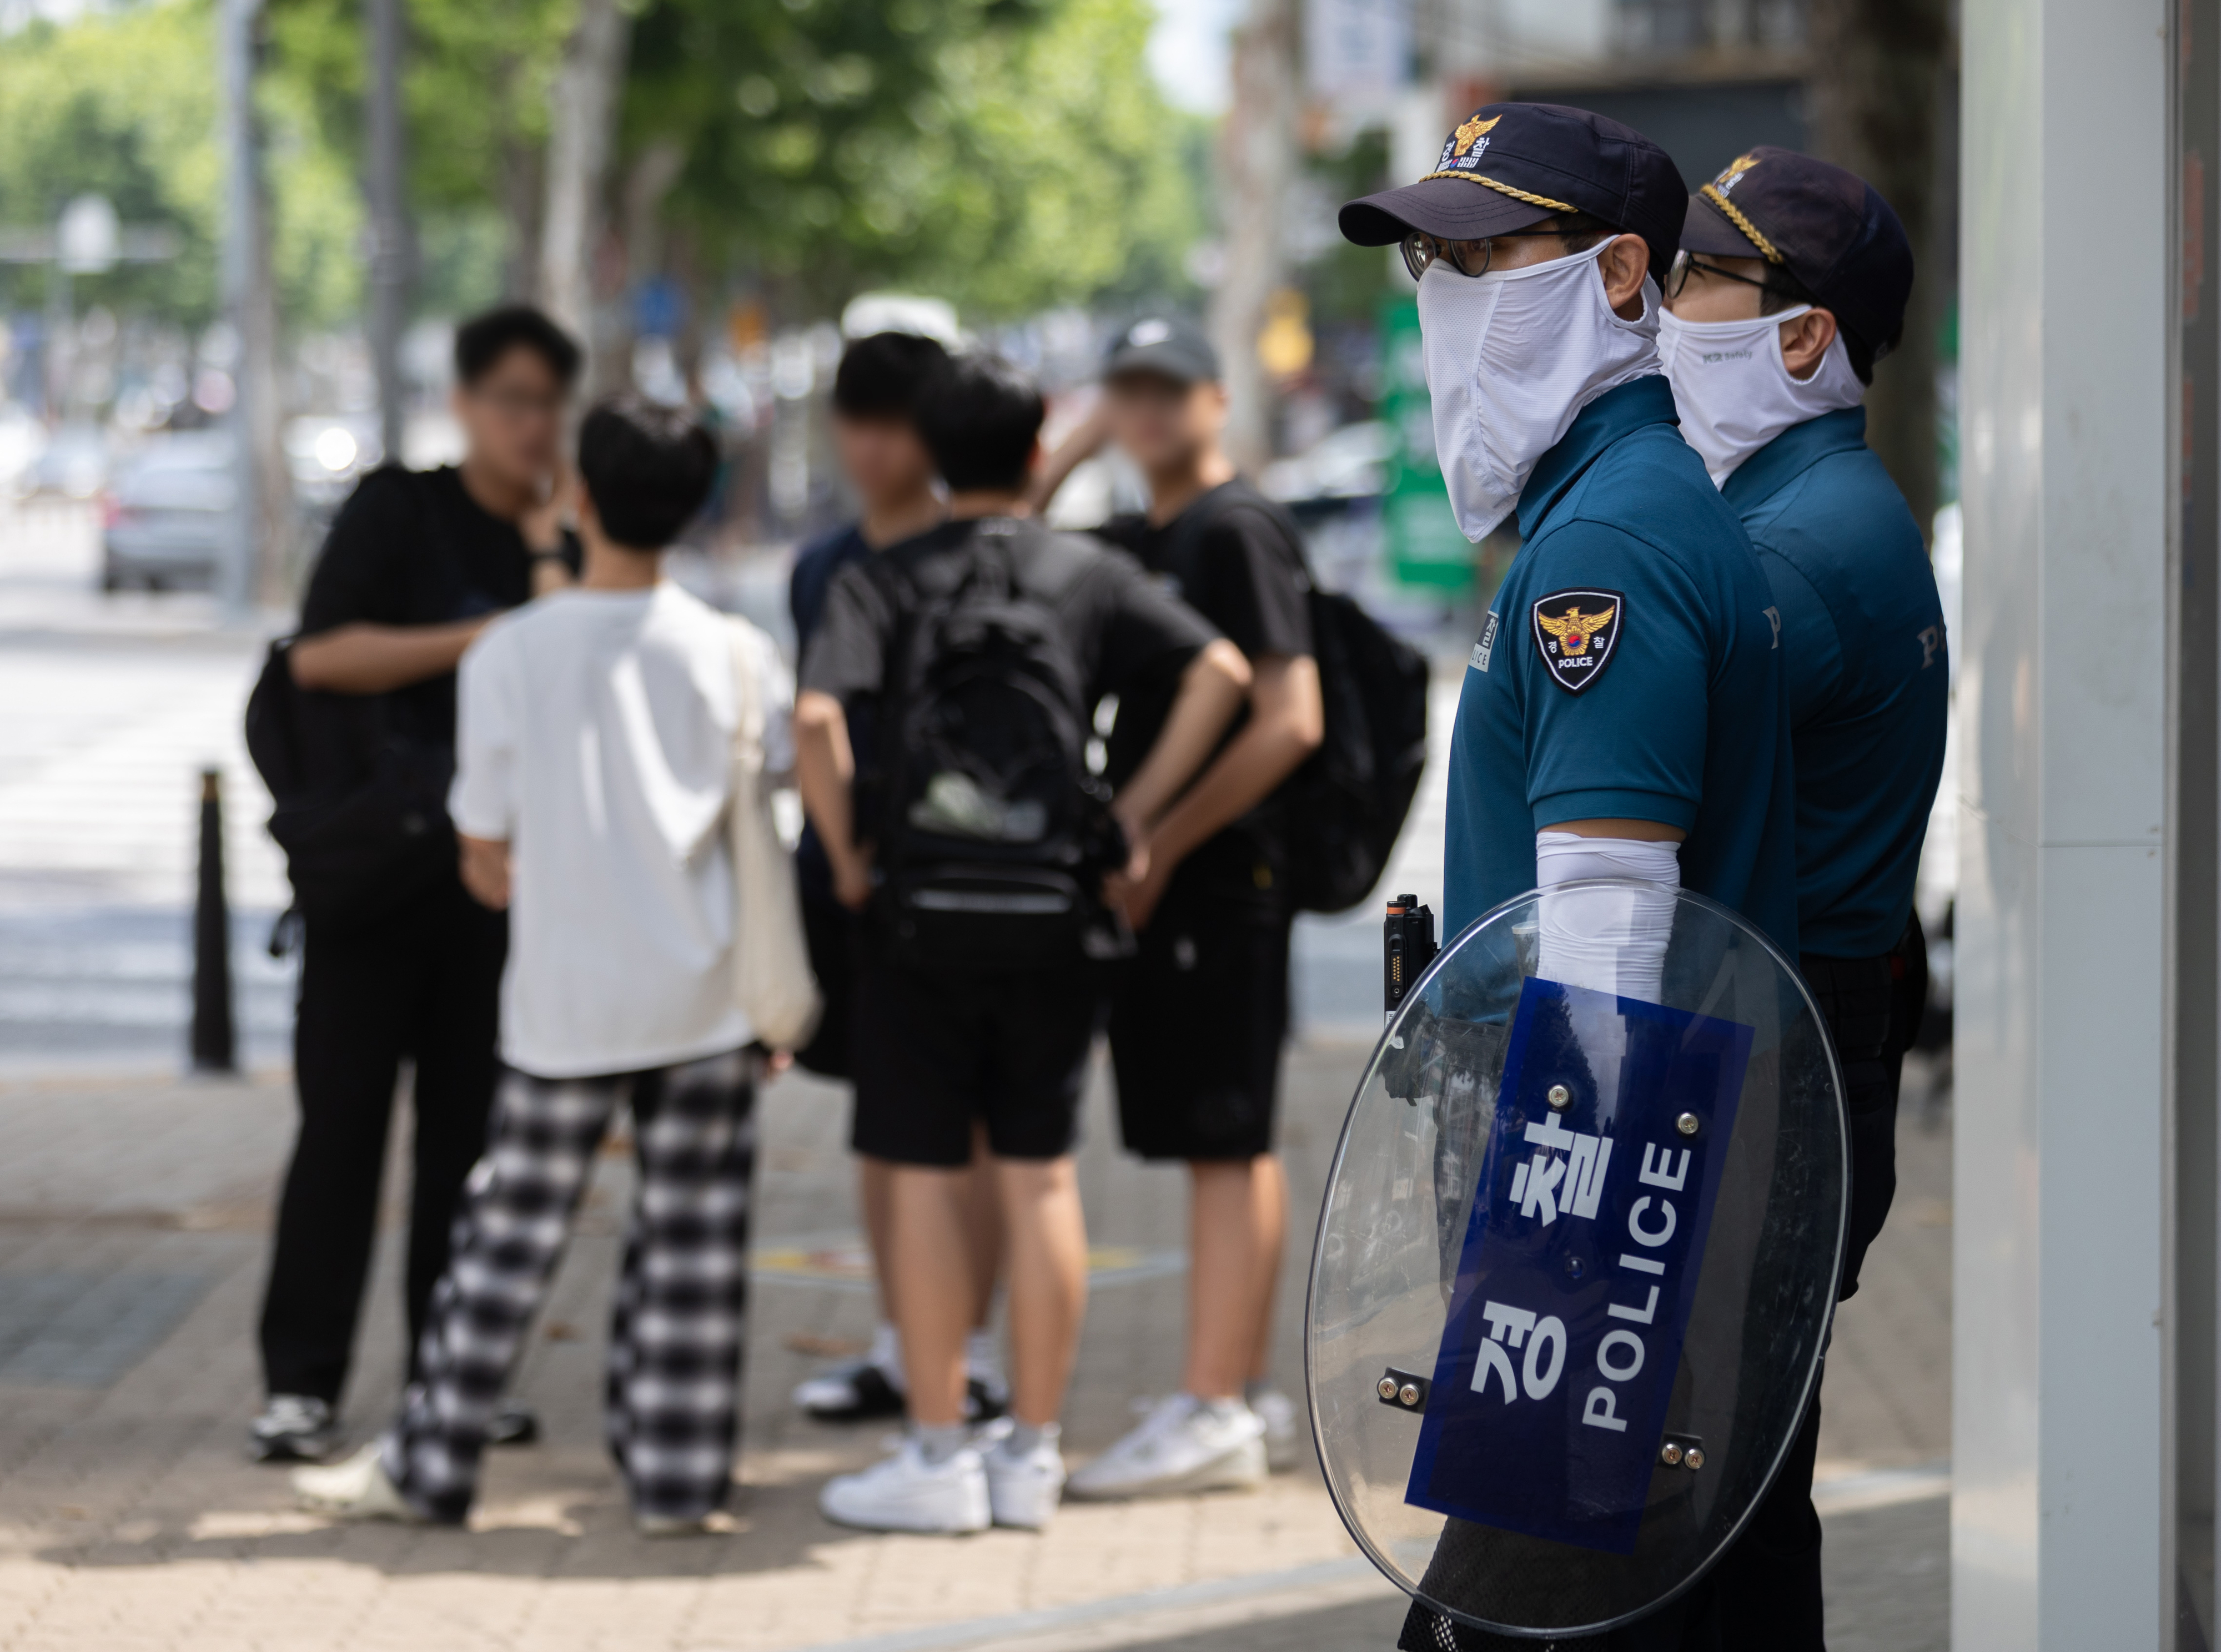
(593,763)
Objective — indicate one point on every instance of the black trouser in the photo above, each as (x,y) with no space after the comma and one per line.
(422,984)
(1764,1595)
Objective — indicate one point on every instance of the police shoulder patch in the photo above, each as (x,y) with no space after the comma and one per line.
(1576,632)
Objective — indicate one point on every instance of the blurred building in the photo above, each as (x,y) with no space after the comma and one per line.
(1705,78)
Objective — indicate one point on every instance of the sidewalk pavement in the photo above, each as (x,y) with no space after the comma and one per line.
(133,1222)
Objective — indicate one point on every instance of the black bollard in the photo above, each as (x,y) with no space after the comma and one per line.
(214,1045)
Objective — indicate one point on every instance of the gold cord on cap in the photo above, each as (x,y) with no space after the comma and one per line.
(1734,216)
(1506,189)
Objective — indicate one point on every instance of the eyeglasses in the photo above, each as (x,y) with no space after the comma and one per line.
(1421,250)
(1676,276)
(521,405)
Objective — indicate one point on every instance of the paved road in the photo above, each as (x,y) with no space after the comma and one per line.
(132,1219)
(115,704)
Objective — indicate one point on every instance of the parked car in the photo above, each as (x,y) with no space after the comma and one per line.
(168,513)
(73,463)
(1351,463)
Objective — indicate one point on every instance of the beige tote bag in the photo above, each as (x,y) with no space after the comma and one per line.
(772,979)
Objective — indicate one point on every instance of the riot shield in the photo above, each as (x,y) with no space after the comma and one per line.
(1575,1266)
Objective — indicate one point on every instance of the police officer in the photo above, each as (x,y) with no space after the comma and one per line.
(1621,714)
(1790,284)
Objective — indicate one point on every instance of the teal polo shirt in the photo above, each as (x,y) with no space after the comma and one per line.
(1627,670)
(1863,658)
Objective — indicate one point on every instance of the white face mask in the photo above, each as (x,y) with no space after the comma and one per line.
(1512,358)
(1734,390)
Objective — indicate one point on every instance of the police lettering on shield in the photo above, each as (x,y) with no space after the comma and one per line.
(1579,1265)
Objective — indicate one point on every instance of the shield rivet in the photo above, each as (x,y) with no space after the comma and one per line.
(1670,1455)
(1694,1458)
(1561,1098)
(1687,1124)
(1387,1387)
(1409,1395)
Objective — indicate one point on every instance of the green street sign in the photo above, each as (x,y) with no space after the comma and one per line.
(1424,545)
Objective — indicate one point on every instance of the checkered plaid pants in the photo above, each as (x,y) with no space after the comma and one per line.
(671,1401)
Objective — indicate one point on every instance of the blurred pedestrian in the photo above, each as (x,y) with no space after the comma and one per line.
(977,853)
(594,778)
(1201,1013)
(874,395)
(414,566)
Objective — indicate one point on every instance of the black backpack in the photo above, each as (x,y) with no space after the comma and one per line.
(992,835)
(361,812)
(1338,816)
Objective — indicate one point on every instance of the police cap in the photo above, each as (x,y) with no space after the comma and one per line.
(1512,165)
(1828,228)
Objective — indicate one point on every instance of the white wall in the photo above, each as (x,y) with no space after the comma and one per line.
(2059,1443)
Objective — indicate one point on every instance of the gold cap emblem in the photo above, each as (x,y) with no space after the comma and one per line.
(1472,131)
(1735,169)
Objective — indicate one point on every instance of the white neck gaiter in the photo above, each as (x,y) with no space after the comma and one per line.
(1734,391)
(1512,358)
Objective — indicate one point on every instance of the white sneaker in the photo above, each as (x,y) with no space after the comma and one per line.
(1287,1430)
(904,1493)
(358,1489)
(293,1428)
(1185,1444)
(1023,1487)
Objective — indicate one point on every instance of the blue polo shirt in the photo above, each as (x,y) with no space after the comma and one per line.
(1627,671)
(1863,658)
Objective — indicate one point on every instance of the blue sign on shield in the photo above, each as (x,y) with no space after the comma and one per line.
(1579,1266)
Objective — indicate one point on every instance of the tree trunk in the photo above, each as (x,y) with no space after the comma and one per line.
(392,255)
(522,180)
(580,133)
(1257,156)
(1877,103)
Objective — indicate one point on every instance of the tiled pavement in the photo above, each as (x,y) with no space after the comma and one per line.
(132,1223)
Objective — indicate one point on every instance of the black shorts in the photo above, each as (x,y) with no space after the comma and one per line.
(933,1052)
(1197,1027)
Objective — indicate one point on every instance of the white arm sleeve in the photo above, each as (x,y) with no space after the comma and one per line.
(1612,940)
(482,801)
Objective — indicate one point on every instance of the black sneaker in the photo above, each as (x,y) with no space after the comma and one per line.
(513,1424)
(293,1428)
(984,1400)
(850,1394)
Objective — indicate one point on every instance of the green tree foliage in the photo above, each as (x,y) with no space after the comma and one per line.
(1009,154)
(124,103)
(477,75)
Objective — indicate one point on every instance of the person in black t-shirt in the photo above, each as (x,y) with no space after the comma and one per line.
(874,394)
(1200,1016)
(413,565)
(940,1049)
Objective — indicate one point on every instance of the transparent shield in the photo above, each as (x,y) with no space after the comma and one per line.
(1575,1268)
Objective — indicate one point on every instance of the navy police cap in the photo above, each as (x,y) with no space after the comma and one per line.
(1828,228)
(1511,165)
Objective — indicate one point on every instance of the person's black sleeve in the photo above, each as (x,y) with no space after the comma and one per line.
(847,657)
(1127,530)
(361,576)
(1253,584)
(1146,630)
